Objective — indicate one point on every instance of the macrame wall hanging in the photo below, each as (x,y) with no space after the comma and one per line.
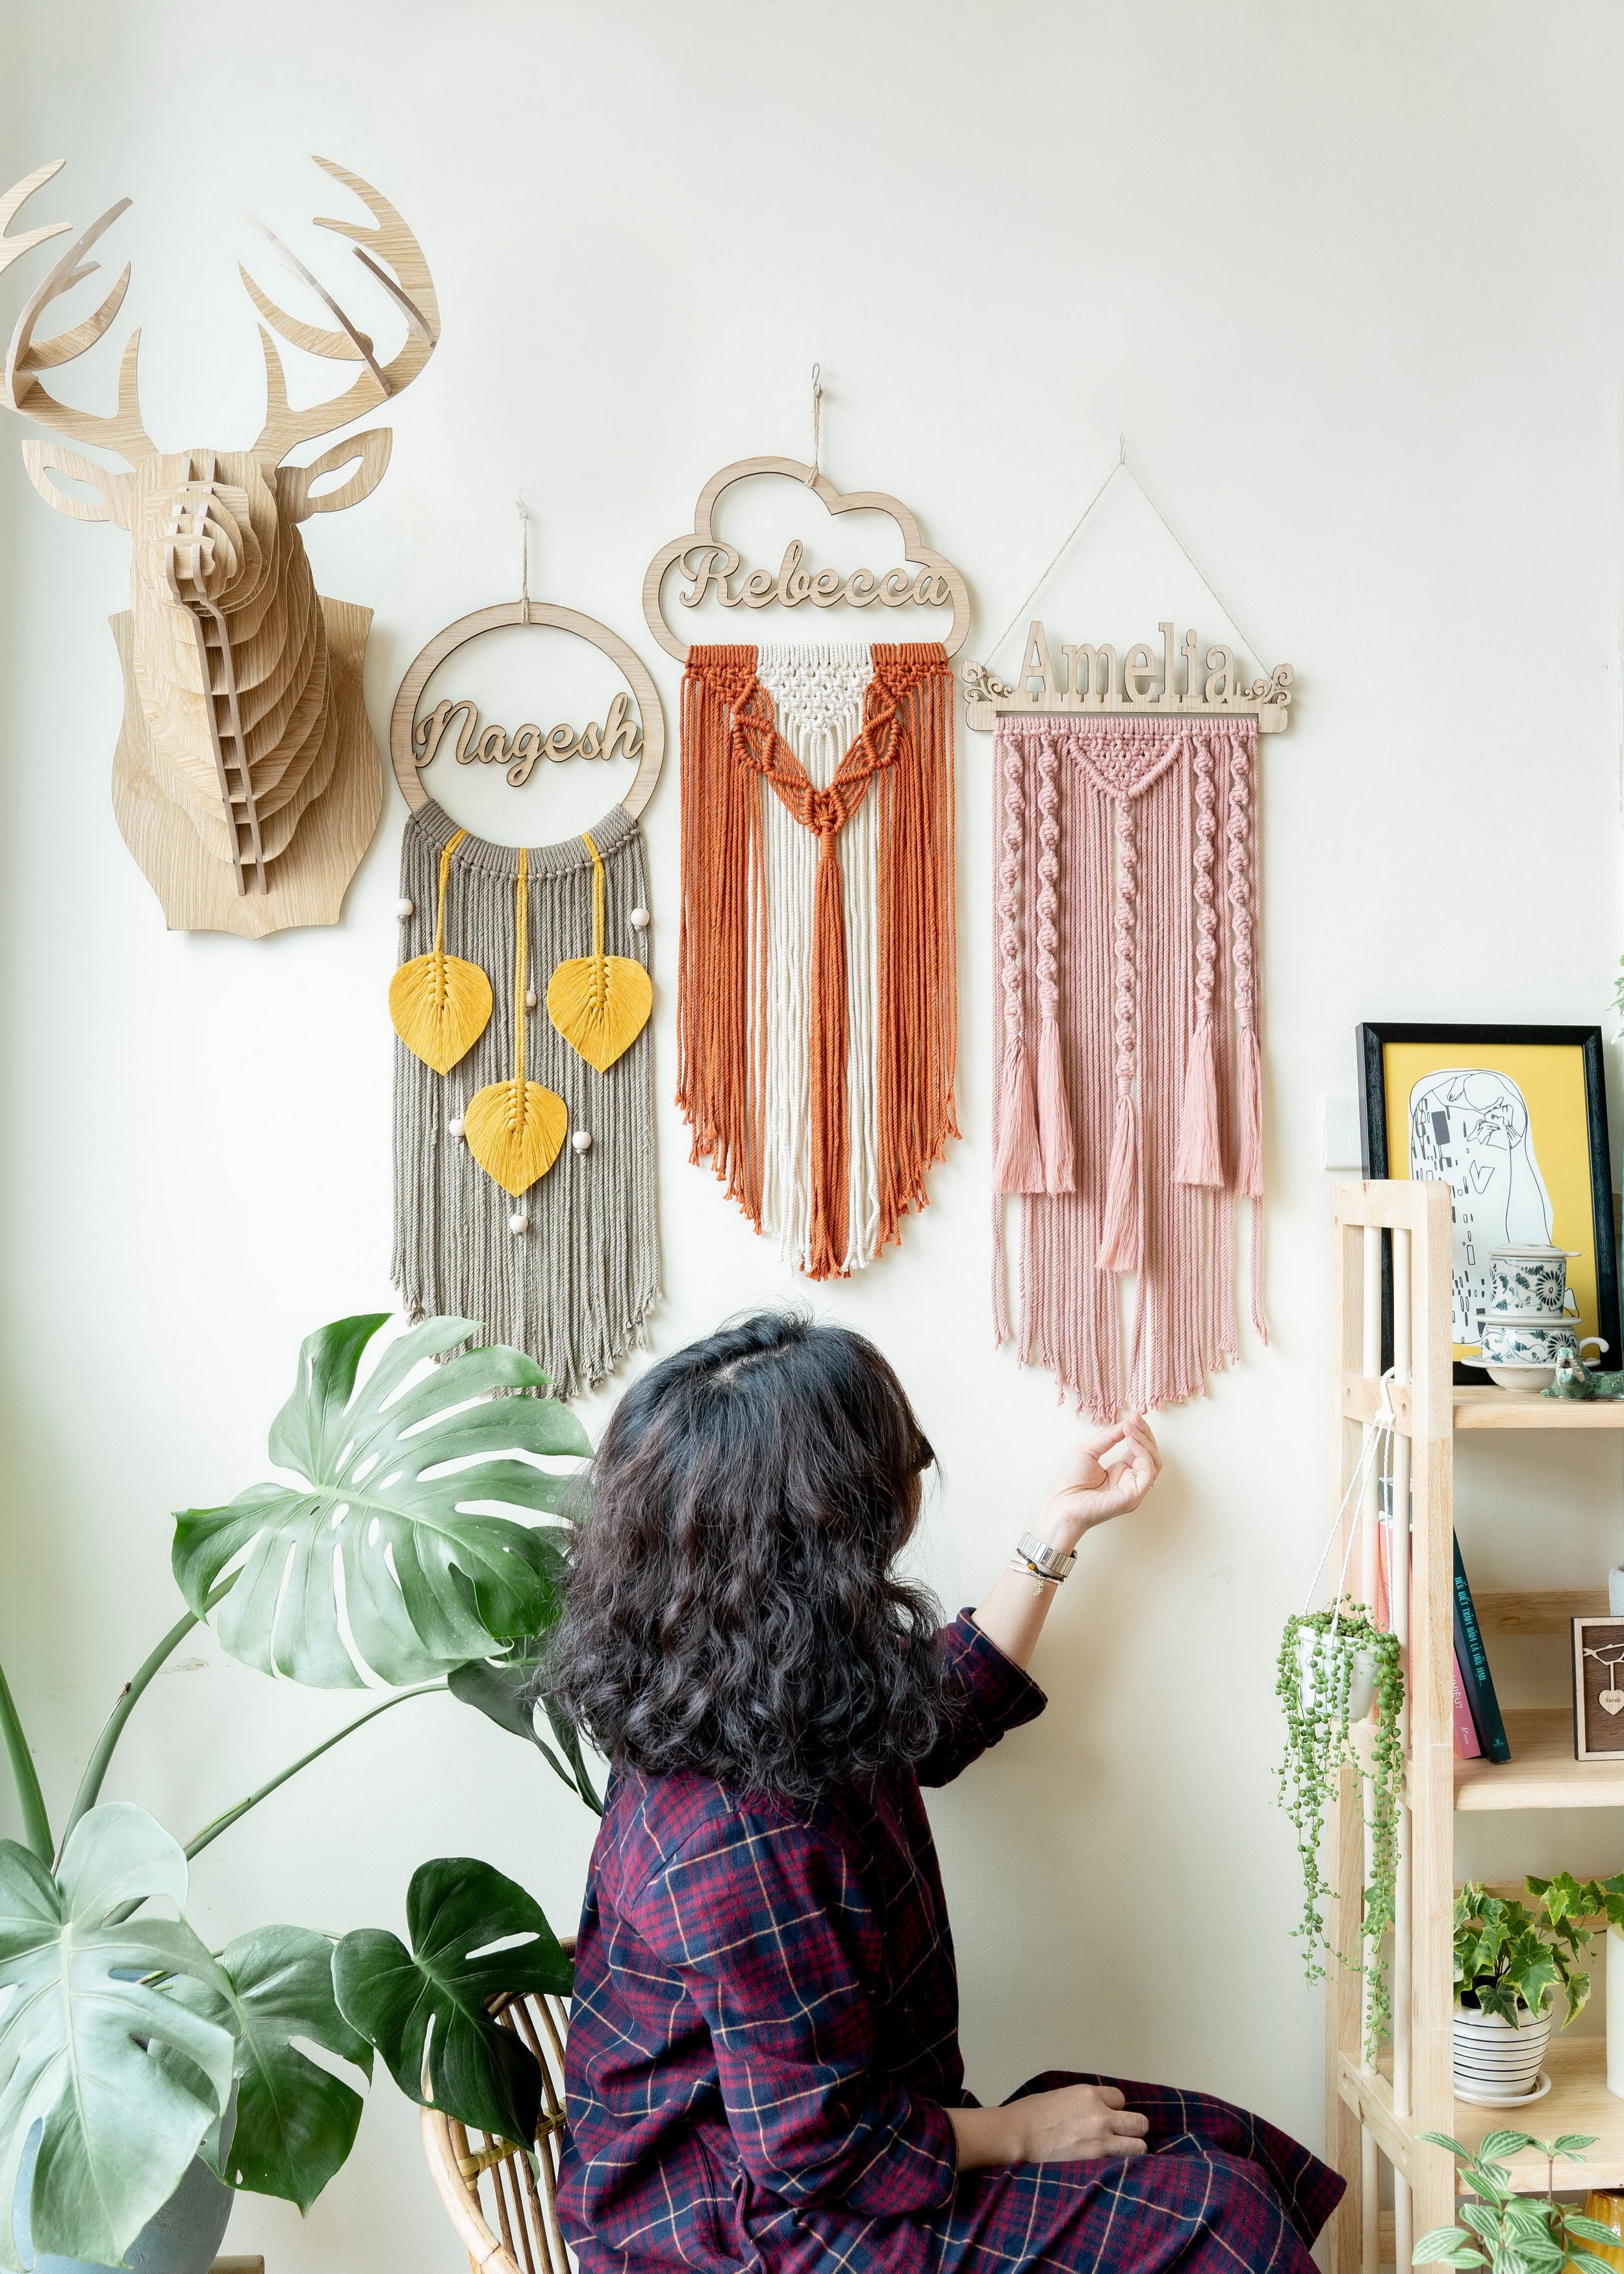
(1128,1110)
(524,1192)
(817,1011)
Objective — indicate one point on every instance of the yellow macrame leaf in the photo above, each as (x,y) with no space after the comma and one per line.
(440,1006)
(600,1004)
(514,1130)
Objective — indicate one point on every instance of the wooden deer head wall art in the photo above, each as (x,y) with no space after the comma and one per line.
(246,779)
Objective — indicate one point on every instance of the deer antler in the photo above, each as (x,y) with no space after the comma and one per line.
(20,390)
(412,288)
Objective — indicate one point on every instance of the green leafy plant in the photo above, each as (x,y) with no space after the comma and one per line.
(1509,2232)
(123,2037)
(1313,1685)
(1509,1960)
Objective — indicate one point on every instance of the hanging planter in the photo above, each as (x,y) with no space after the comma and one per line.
(1334,1666)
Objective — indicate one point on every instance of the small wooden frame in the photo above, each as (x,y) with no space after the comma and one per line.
(1094,682)
(1598,1689)
(711,564)
(407,741)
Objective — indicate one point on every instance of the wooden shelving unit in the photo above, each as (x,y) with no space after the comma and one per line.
(1380,2111)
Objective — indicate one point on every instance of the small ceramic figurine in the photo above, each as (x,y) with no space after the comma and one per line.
(1574,1379)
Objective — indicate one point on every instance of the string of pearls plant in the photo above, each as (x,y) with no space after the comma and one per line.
(1324,1656)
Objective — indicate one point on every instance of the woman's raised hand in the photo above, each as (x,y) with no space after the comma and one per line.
(1094,1485)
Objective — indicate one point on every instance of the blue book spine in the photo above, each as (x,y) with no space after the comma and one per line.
(1475,1670)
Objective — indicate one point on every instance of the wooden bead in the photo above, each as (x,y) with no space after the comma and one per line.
(640,919)
(581,1141)
(404,908)
(519,1221)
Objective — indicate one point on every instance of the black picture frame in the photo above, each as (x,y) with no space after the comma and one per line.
(1373,1037)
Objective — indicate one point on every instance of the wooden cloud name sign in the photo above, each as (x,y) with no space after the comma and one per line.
(1093,679)
(717,571)
(246,781)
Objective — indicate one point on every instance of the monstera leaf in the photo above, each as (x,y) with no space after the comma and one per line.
(125,2075)
(430,2001)
(296,2123)
(502,1689)
(378,1536)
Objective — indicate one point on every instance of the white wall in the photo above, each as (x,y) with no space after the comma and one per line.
(1351,283)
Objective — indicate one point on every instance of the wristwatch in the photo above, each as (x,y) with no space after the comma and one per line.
(1049,1561)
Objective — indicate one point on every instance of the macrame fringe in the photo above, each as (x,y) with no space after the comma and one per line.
(1122,1236)
(1249,1137)
(1054,1114)
(1018,1166)
(576,1289)
(1197,1161)
(733,757)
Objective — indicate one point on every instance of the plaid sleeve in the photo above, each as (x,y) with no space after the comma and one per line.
(775,1940)
(992,1693)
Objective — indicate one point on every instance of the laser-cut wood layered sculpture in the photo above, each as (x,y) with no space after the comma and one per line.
(246,779)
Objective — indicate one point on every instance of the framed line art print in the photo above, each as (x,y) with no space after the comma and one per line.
(1598,1689)
(1514,1119)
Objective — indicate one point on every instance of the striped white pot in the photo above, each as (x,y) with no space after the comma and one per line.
(1495,2061)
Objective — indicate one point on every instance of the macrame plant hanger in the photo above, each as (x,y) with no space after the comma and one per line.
(525,1183)
(817,1017)
(1127,1112)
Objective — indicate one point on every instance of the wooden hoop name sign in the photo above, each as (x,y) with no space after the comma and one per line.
(712,567)
(414,742)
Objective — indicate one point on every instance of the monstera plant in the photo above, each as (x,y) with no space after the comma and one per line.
(127,2047)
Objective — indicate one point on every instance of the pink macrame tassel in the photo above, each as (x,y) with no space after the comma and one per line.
(1054,1114)
(1019,1167)
(1197,1161)
(1249,1140)
(1122,1235)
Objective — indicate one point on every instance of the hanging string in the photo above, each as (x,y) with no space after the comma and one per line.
(524,558)
(817,418)
(1376,1444)
(1123,467)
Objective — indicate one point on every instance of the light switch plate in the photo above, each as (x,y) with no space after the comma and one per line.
(1340,1139)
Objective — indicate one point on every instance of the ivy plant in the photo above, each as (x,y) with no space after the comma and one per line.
(1509,2232)
(1509,1960)
(1313,1686)
(122,2034)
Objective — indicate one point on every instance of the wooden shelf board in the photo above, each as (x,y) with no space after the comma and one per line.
(1489,1408)
(1578,2101)
(1538,1610)
(1542,1771)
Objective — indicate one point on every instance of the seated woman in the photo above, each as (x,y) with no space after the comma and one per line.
(763,2066)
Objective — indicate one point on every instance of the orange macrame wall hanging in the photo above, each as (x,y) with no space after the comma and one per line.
(816,1007)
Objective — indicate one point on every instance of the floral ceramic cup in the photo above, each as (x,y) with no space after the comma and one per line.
(1539,1340)
(1530,1283)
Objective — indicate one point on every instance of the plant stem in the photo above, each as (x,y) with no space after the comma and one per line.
(212,1832)
(24,1776)
(96,1767)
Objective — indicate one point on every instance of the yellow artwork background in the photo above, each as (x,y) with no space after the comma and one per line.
(1551,1077)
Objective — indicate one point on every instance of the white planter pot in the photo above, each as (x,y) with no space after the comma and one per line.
(1492,2062)
(1311,1645)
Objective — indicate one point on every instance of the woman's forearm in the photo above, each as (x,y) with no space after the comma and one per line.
(1013,1611)
(986,2138)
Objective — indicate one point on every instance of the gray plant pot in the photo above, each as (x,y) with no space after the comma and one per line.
(184,2238)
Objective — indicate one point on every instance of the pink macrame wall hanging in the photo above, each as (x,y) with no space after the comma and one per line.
(1128,1110)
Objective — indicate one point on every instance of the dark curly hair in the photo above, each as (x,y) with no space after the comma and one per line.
(731,1607)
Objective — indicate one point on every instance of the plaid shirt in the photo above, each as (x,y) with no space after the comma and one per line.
(764,2041)
(765,2014)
